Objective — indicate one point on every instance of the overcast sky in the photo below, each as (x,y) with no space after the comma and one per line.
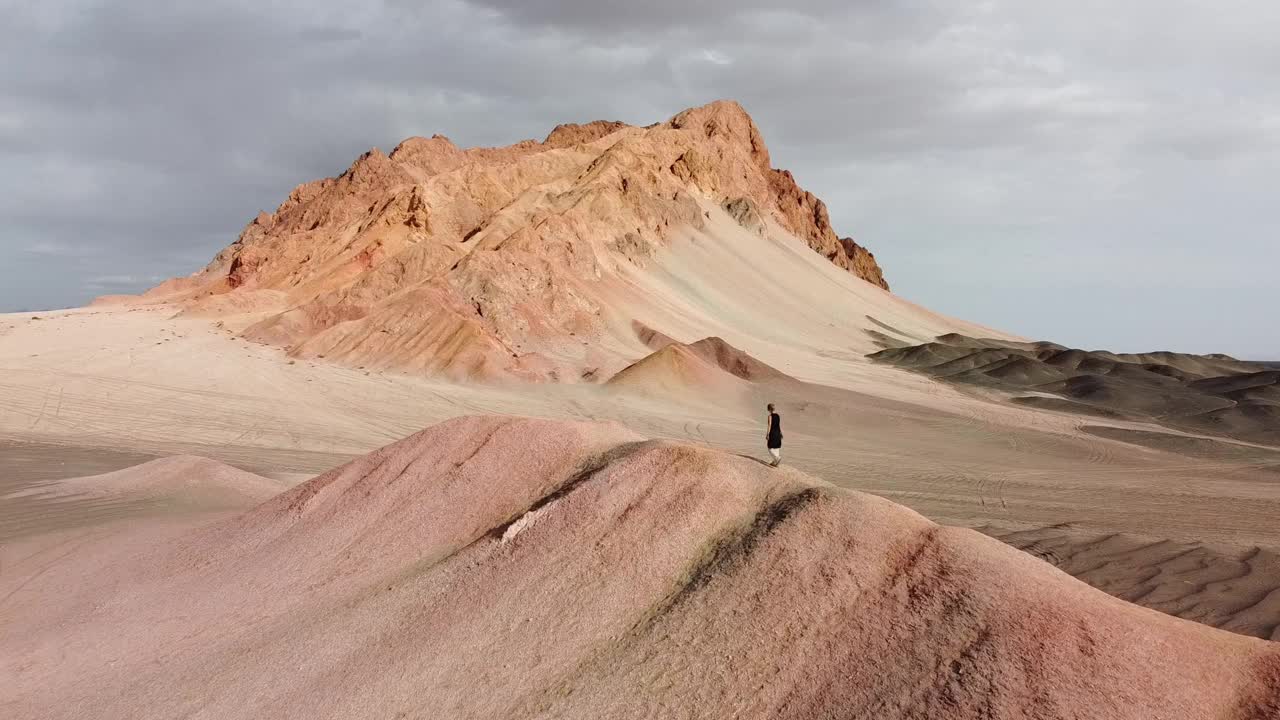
(1102,174)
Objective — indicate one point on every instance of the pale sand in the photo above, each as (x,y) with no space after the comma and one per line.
(507,568)
(141,380)
(1234,590)
(28,470)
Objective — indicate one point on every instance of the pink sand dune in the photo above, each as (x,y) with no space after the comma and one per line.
(510,568)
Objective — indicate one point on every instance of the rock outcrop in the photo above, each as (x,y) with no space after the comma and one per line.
(862,263)
(490,261)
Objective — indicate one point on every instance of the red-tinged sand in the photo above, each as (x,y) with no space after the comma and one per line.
(508,568)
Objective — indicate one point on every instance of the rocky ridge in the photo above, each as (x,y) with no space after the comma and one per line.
(489,262)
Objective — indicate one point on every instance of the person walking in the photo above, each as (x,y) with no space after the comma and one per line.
(773,436)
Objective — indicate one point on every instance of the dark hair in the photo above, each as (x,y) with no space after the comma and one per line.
(769,407)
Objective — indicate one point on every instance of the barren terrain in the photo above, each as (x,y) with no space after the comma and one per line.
(431,578)
(209,507)
(148,382)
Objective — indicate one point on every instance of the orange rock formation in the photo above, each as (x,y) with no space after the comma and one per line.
(493,262)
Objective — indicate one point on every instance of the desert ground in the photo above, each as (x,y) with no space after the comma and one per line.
(480,433)
(1187,526)
(489,567)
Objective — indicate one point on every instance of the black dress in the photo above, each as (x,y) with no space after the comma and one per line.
(775,431)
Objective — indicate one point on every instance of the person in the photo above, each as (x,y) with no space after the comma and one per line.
(773,436)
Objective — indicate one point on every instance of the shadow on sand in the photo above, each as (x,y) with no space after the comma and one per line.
(765,463)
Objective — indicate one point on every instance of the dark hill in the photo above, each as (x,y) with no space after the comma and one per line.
(1205,393)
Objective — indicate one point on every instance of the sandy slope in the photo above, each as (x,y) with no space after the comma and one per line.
(1230,589)
(165,486)
(616,577)
(181,480)
(143,380)
(140,377)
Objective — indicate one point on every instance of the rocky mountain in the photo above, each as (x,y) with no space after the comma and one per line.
(499,262)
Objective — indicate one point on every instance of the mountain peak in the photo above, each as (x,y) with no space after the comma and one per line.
(488,262)
(569,134)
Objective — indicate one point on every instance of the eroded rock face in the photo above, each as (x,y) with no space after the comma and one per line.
(489,260)
(745,212)
(862,263)
(570,134)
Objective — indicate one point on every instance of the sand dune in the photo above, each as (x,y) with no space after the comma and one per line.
(1235,590)
(180,479)
(710,368)
(160,487)
(28,472)
(103,381)
(618,577)
(677,369)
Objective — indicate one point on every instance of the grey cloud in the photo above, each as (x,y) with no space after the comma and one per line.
(999,157)
(625,18)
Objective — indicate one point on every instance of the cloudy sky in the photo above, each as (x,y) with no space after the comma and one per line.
(1103,174)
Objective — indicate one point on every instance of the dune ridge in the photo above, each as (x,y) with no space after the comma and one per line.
(618,577)
(182,478)
(50,502)
(1232,589)
(709,367)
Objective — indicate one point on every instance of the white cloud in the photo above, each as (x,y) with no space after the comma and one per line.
(716,58)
